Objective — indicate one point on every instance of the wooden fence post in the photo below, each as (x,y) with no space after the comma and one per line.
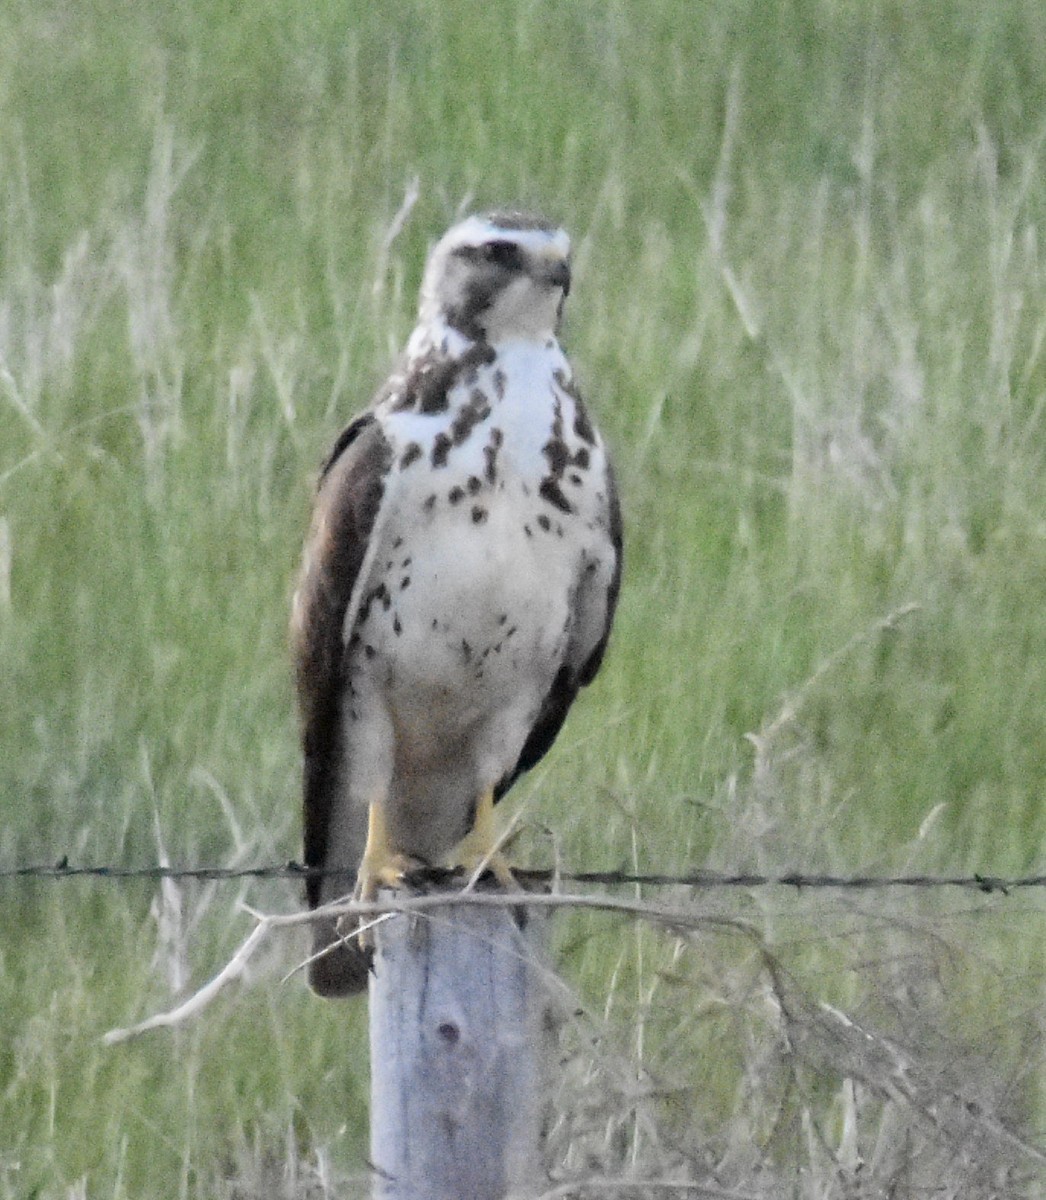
(458,1053)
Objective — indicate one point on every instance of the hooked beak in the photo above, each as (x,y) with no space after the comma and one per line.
(551,269)
(556,274)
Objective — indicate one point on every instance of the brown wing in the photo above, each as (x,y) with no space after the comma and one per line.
(581,664)
(349,497)
(352,486)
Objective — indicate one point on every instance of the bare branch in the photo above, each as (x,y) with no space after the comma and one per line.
(198,1001)
(667,918)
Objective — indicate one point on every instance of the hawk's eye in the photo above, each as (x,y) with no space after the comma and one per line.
(504,254)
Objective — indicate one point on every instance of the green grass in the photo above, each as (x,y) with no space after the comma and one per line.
(809,312)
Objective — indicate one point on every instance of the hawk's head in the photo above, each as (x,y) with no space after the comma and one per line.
(499,277)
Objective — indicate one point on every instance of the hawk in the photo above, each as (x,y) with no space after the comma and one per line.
(459,580)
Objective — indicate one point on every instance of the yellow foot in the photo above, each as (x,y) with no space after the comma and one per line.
(478,850)
(389,873)
(381,866)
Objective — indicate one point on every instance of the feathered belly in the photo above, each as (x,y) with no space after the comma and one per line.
(469,618)
(459,641)
(479,611)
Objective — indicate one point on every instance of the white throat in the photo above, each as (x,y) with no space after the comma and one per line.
(522,312)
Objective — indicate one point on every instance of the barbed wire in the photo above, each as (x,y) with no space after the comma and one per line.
(800,880)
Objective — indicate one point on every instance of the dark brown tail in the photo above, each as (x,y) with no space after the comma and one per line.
(342,968)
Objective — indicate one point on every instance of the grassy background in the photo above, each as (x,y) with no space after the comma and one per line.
(810,313)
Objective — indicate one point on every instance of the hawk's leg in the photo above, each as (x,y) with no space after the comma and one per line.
(381,866)
(479,845)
